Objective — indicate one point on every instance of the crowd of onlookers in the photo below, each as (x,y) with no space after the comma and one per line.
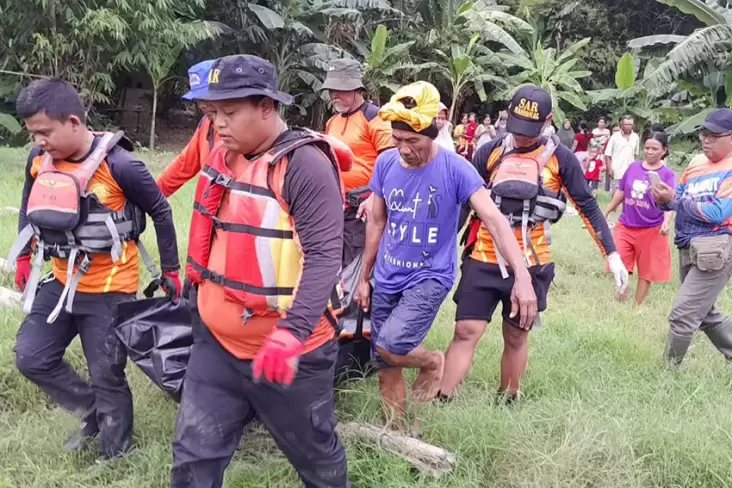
(605,154)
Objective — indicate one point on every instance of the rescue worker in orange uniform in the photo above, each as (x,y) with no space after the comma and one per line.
(486,281)
(358,125)
(264,333)
(84,203)
(189,162)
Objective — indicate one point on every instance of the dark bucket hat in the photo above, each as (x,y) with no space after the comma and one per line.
(242,76)
(344,75)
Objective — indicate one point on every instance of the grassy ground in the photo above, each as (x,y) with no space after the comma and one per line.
(600,411)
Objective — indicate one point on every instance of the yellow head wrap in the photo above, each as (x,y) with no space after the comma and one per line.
(419,117)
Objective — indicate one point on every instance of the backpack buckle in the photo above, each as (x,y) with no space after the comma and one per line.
(223,180)
(246,315)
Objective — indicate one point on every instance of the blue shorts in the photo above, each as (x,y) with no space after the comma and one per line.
(401,321)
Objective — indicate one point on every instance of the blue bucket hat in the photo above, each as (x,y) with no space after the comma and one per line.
(198,79)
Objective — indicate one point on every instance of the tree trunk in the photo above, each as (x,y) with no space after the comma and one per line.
(452,109)
(52,14)
(152,117)
(423,456)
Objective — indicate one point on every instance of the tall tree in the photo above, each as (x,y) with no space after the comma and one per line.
(695,53)
(161,33)
(554,71)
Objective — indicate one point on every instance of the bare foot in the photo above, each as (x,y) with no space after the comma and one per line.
(427,384)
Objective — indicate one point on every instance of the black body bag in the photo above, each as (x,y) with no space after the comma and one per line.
(158,336)
(354,356)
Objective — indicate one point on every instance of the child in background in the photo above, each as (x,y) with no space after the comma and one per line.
(592,171)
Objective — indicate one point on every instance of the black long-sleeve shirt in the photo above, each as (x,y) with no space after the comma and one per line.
(312,191)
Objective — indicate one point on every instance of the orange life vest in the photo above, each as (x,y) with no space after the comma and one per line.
(264,258)
(69,222)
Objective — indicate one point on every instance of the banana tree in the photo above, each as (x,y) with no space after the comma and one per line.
(711,44)
(298,51)
(470,65)
(9,123)
(382,63)
(550,70)
(631,96)
(455,21)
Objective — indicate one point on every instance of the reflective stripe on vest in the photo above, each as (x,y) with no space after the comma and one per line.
(260,233)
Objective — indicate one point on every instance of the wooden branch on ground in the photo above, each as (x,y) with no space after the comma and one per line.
(423,456)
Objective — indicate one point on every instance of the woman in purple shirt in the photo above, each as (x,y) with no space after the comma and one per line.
(641,234)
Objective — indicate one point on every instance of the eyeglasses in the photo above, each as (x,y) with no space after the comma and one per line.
(705,135)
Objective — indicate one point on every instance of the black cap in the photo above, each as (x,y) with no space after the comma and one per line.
(528,111)
(242,76)
(719,121)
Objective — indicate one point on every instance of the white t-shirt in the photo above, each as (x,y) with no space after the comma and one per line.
(600,137)
(444,138)
(622,151)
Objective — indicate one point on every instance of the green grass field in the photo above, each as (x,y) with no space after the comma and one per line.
(600,409)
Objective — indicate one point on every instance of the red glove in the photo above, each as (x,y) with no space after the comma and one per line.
(171,285)
(22,271)
(278,357)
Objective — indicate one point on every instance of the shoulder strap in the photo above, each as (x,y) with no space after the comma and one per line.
(90,165)
(286,148)
(550,147)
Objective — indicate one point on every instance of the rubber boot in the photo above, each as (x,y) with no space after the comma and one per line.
(721,337)
(85,435)
(676,347)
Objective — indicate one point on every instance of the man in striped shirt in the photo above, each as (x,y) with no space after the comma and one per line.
(703,205)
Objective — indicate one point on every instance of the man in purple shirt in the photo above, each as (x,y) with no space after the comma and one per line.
(418,191)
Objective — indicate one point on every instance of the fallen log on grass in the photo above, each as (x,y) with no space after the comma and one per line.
(423,456)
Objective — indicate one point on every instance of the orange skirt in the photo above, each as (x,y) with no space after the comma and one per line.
(645,248)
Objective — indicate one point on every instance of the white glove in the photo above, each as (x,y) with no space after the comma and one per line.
(617,268)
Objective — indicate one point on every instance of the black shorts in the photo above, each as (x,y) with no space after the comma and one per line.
(482,288)
(593,184)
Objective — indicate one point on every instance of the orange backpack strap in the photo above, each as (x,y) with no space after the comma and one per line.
(90,165)
(288,147)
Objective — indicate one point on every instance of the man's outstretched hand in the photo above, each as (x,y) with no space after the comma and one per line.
(662,193)
(278,358)
(364,210)
(363,295)
(523,301)
(617,268)
(22,272)
(171,285)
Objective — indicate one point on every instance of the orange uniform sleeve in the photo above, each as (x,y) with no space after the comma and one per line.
(185,166)
(380,134)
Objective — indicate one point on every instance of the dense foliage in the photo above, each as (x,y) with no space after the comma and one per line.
(475,51)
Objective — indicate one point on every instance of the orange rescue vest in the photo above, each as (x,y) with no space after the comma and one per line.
(264,258)
(69,222)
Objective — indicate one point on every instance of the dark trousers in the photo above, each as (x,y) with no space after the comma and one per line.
(220,399)
(39,352)
(354,235)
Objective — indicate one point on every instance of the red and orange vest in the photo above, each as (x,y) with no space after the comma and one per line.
(263,254)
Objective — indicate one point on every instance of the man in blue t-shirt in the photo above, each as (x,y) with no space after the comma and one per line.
(411,239)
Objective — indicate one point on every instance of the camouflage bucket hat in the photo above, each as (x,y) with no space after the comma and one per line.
(344,75)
